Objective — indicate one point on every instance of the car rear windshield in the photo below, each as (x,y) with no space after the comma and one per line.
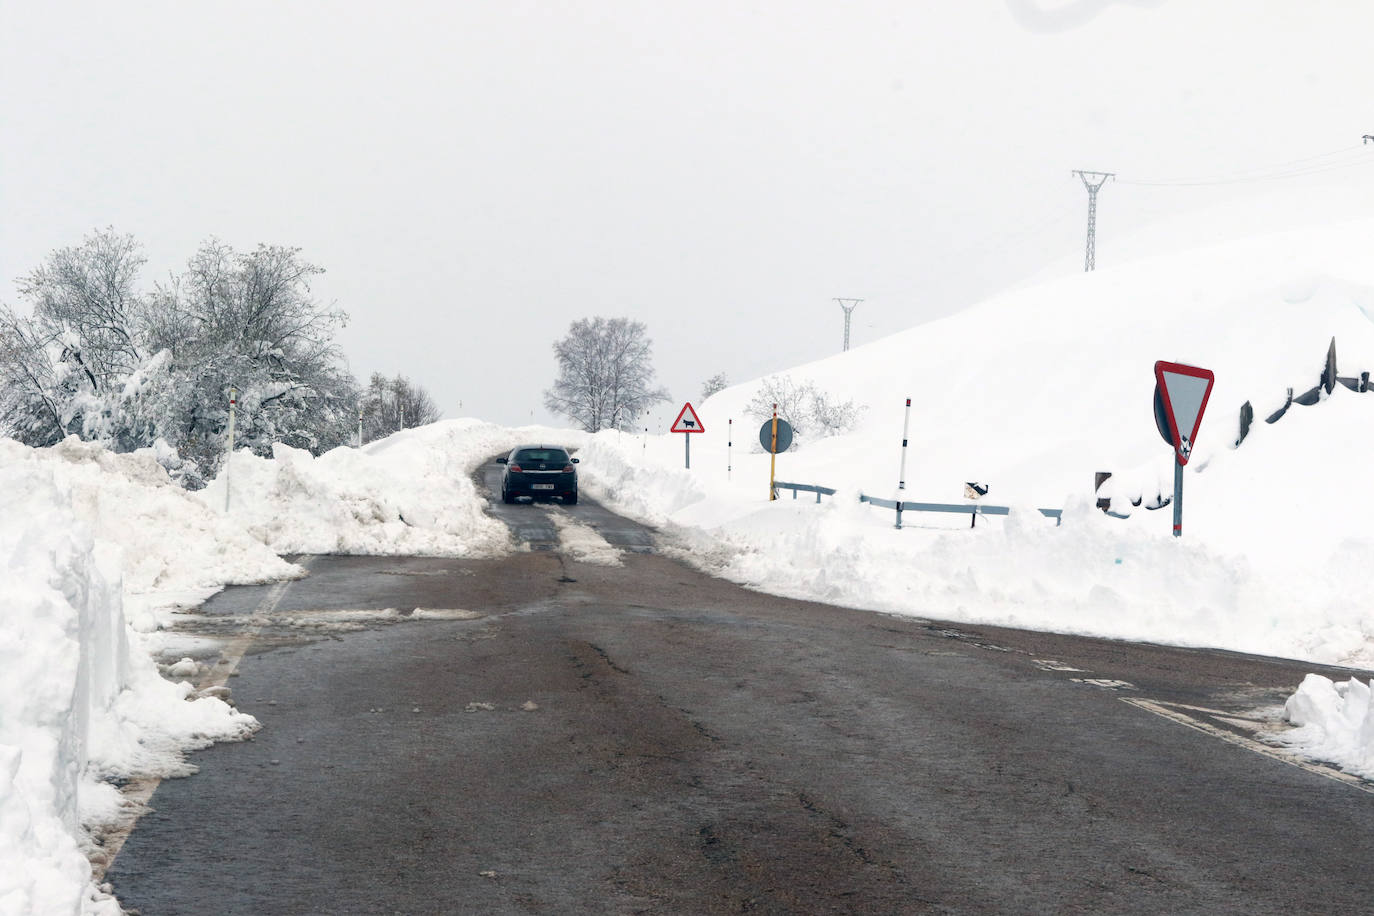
(546,455)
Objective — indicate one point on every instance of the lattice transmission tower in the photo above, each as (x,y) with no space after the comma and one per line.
(848,310)
(1092,181)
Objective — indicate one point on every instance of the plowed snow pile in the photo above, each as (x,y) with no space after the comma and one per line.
(1035,391)
(410,494)
(80,698)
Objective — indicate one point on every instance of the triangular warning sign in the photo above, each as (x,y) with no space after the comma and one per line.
(1184,391)
(687,421)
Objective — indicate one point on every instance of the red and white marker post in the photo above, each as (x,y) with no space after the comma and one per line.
(229,453)
(901,473)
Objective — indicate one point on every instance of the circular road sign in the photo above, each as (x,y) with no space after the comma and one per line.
(1162,417)
(784,435)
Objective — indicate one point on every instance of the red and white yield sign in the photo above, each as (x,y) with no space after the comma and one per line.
(687,421)
(1181,395)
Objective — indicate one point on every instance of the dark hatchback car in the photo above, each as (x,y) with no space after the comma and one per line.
(539,472)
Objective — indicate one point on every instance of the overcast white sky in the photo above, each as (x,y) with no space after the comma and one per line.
(476,175)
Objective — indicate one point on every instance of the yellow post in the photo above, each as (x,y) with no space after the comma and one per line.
(773,462)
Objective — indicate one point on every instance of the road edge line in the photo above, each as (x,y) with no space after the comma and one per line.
(1264,750)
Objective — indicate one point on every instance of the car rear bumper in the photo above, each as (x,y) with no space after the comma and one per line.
(541,485)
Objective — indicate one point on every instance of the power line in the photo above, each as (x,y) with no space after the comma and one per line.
(1349,157)
(1093,181)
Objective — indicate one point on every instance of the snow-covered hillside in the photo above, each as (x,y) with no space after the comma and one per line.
(1035,391)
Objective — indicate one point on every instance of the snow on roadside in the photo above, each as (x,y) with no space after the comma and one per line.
(173,551)
(81,701)
(1334,722)
(410,494)
(1094,575)
(1032,392)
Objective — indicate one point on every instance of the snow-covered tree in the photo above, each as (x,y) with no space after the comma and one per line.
(605,374)
(100,360)
(63,367)
(248,322)
(32,407)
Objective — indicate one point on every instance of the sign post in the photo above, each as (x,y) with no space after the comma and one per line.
(775,436)
(1181,394)
(688,422)
(773,457)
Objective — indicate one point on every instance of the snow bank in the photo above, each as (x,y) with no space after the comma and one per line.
(1094,575)
(1033,392)
(78,702)
(1335,723)
(410,494)
(173,551)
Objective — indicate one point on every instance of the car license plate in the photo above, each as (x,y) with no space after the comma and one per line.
(541,486)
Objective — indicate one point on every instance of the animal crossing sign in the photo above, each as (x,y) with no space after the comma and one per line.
(1181,394)
(688,422)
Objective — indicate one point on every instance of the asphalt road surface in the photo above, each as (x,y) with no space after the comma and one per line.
(647,739)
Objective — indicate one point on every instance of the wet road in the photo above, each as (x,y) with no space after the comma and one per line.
(592,739)
(537,530)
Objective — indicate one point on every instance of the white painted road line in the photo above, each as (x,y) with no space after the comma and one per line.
(1175,715)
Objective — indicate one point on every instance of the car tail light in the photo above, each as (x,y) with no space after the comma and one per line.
(568,469)
(516,468)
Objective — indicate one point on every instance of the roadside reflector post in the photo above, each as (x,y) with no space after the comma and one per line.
(229,455)
(901,473)
(729,444)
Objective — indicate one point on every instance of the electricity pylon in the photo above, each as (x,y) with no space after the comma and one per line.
(1092,181)
(848,310)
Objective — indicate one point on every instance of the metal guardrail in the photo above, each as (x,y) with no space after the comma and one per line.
(973,510)
(809,488)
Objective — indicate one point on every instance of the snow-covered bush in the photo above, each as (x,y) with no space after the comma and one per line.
(811,411)
(101,360)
